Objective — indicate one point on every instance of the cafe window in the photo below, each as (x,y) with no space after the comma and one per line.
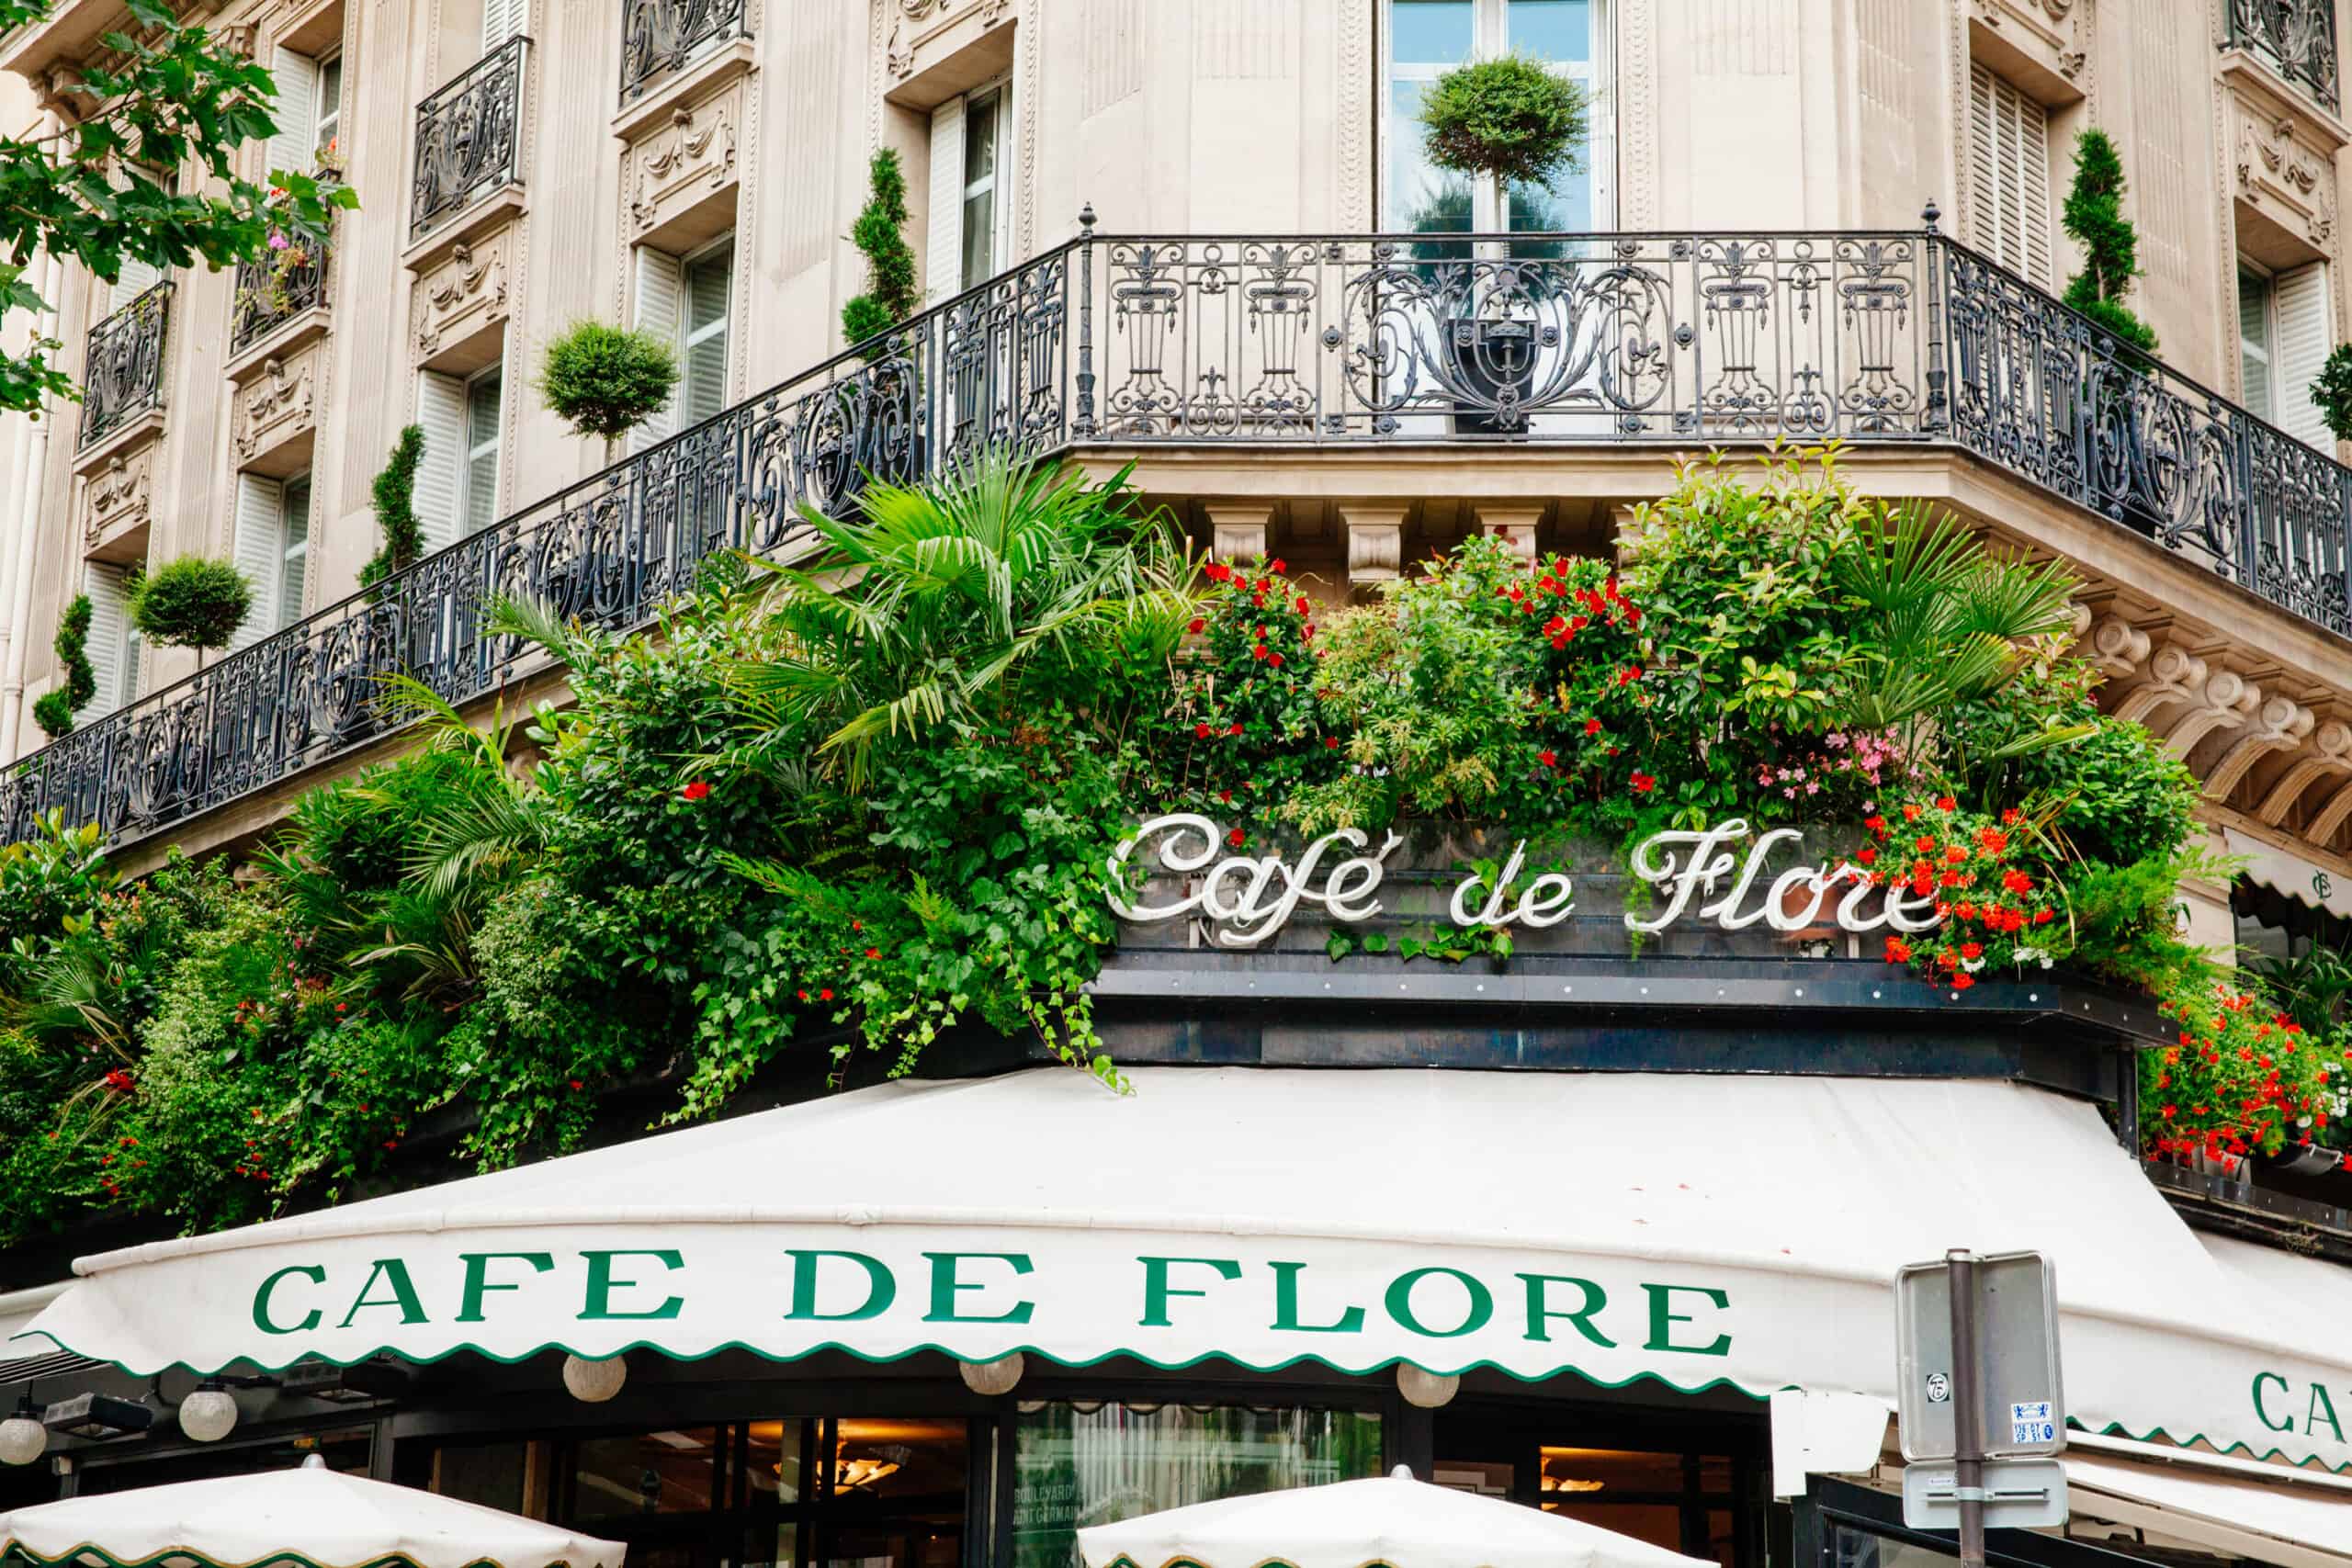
(863,1492)
(1427,38)
(1090,1462)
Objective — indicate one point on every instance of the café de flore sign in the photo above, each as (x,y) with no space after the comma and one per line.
(1724,874)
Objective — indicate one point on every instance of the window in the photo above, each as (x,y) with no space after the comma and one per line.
(1426,38)
(483,396)
(2008,176)
(114,643)
(1097,1462)
(702,385)
(456,478)
(329,130)
(969,139)
(273,549)
(2286,327)
(308,110)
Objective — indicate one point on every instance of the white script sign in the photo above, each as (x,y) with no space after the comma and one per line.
(1248,898)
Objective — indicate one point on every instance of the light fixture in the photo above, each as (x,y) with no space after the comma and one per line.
(854,1473)
(594,1382)
(361,1382)
(96,1415)
(209,1414)
(1426,1389)
(22,1437)
(994,1378)
(1571,1483)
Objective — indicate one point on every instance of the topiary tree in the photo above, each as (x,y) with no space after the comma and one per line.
(1510,118)
(2332,392)
(393,495)
(605,380)
(2094,216)
(891,294)
(55,710)
(191,602)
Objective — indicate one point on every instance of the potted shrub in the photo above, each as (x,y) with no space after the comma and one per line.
(604,380)
(54,712)
(393,495)
(2332,392)
(2093,217)
(1501,122)
(191,602)
(878,403)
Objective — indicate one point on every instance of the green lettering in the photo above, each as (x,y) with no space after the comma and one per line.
(944,1286)
(393,1273)
(477,1283)
(1538,1309)
(1158,1292)
(1286,1306)
(880,1288)
(1481,1305)
(600,1283)
(311,1271)
(2322,1408)
(1663,1317)
(2263,1415)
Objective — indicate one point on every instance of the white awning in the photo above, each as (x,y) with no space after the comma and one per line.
(1693,1230)
(2291,874)
(2279,1519)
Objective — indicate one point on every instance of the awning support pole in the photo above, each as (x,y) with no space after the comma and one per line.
(1968,1436)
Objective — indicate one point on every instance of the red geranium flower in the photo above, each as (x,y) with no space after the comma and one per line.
(1946,803)
(1198,625)
(1549,759)
(1592,727)
(1972,950)
(1235,838)
(825,995)
(1643,783)
(1277,564)
(696,790)
(1897,950)
(873,952)
(1961,981)
(1331,743)
(1236,729)
(1200,732)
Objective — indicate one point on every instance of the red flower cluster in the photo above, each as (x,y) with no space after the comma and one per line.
(1990,902)
(696,790)
(2238,1081)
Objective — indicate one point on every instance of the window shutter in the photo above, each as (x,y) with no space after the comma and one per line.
(295,144)
(293,550)
(260,502)
(441,411)
(136,279)
(109,629)
(2305,326)
(659,294)
(501,20)
(2008,176)
(943,242)
(704,385)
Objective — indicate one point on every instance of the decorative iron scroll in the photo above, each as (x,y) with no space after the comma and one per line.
(659,36)
(469,137)
(123,375)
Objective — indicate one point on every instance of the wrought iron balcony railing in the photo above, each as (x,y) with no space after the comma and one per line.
(272,292)
(1673,340)
(2296,37)
(661,37)
(468,138)
(123,375)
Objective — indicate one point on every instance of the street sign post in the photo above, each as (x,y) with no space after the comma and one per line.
(1979,1399)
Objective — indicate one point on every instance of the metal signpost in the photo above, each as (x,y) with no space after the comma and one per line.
(1979,1403)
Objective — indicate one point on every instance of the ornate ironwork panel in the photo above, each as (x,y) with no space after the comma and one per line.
(275,290)
(469,137)
(659,37)
(1592,337)
(2045,393)
(122,373)
(2296,37)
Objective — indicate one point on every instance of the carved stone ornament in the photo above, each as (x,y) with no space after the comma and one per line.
(464,293)
(2285,177)
(2049,31)
(116,497)
(900,52)
(276,405)
(684,159)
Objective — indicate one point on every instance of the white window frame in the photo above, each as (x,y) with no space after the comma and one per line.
(949,191)
(2265,405)
(326,124)
(998,94)
(494,448)
(1488,38)
(293,548)
(690,336)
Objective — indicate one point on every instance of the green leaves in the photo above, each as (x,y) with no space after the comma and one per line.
(1512,117)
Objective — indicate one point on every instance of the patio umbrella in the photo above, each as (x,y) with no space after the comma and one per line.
(1397,1521)
(309,1515)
